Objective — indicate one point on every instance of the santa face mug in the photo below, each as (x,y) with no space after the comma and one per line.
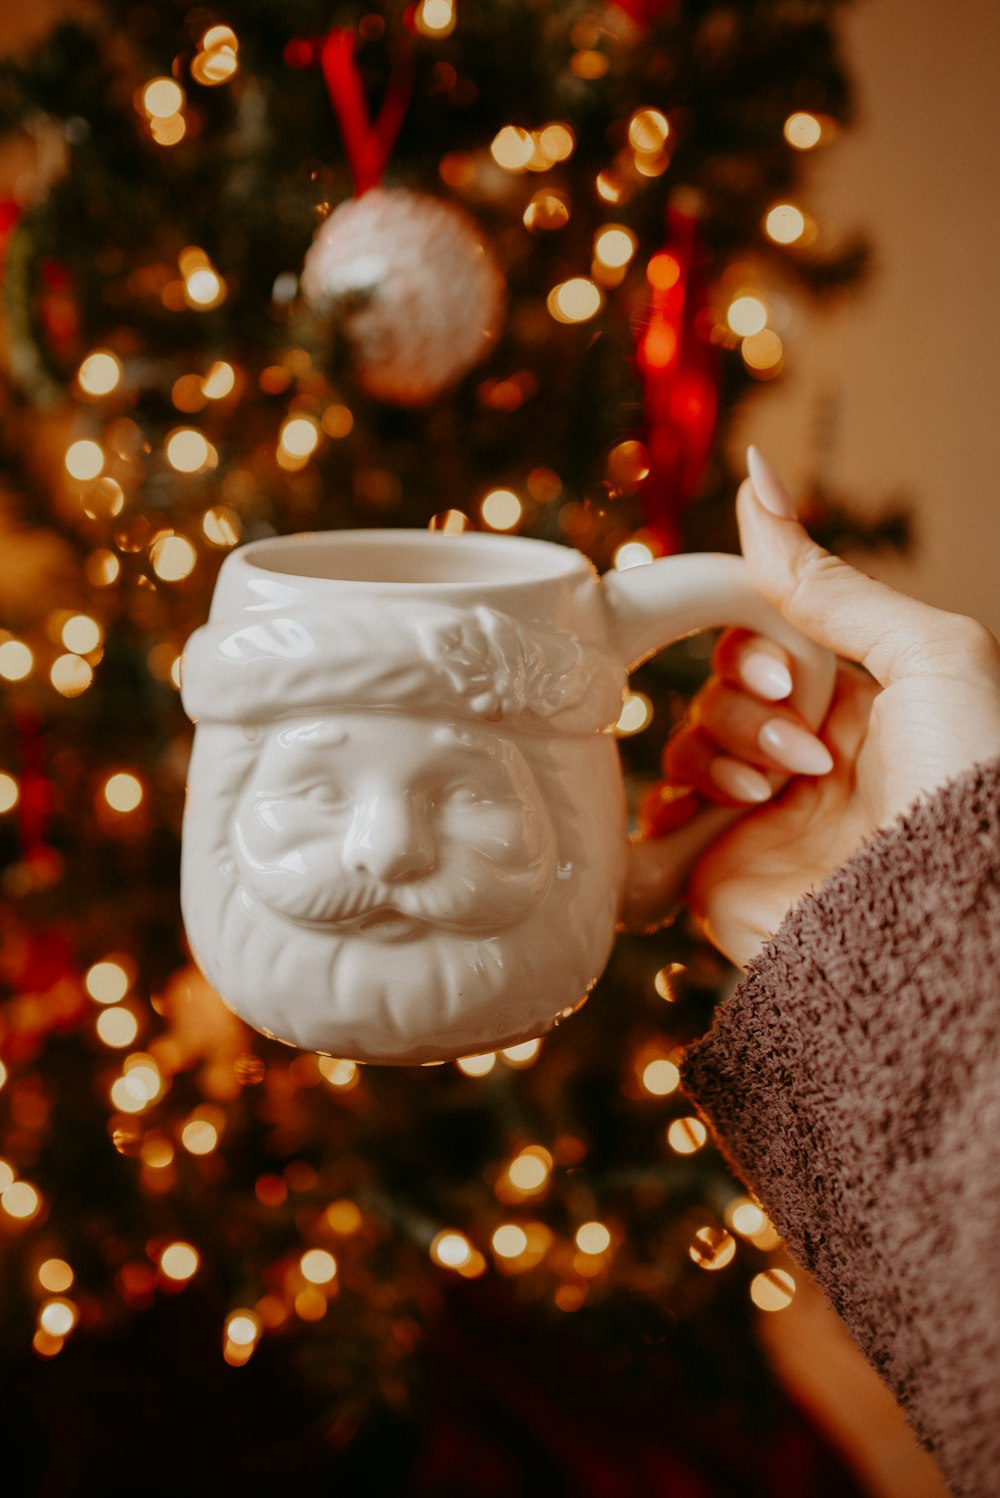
(405,838)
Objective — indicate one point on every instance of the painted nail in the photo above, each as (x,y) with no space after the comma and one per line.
(761,673)
(794,748)
(768,487)
(738,780)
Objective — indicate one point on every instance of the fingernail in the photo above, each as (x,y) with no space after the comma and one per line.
(794,748)
(768,487)
(738,780)
(768,677)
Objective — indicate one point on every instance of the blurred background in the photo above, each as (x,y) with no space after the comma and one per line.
(711,224)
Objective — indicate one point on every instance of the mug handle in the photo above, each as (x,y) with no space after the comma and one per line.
(650,607)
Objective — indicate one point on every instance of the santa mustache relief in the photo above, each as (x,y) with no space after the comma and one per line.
(405,836)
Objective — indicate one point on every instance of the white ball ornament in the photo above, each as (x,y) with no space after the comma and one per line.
(412,284)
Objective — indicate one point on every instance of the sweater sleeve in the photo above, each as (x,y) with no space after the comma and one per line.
(853,1080)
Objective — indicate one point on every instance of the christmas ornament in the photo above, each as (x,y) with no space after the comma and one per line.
(409,280)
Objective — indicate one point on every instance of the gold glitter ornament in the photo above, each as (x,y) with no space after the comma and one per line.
(413,286)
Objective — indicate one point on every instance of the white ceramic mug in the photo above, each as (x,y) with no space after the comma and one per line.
(405,837)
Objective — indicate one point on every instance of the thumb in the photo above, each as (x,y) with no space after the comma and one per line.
(889,633)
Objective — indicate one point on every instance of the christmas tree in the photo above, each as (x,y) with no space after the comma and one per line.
(293,266)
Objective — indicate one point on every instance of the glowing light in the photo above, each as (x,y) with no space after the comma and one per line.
(340,1074)
(81,634)
(509,1241)
(170,131)
(648,130)
(124,1099)
(477,1066)
(513,148)
(16,660)
(117,1027)
(3,1079)
(435,18)
(70,675)
(608,187)
(636,714)
(448,522)
(310,1304)
(661,1077)
(803,131)
(219,382)
(712,1248)
(204,287)
(589,64)
(529,1171)
(522,1055)
(162,97)
(593,1238)
(686,1136)
(628,465)
(106,982)
(157,1151)
(102,567)
(222,526)
(663,271)
(745,1217)
(219,36)
(199,1137)
(123,792)
(55,1275)
(20,1200)
(187,450)
(9,794)
(299,436)
(576,300)
(84,459)
(99,373)
(501,509)
(663,982)
(58,1317)
(343,1217)
(216,64)
(785,223)
(451,1250)
(773,1290)
(318,1266)
(337,421)
(614,246)
(243,1328)
(7,1175)
(179,1261)
(142,1076)
(556,142)
(632,554)
(547,210)
(763,352)
(746,315)
(173,558)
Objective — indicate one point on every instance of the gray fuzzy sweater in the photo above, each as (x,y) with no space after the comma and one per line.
(853,1080)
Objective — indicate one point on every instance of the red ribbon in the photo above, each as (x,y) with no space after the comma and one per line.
(680,375)
(368,146)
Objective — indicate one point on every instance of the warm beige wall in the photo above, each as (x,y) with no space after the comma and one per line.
(914,363)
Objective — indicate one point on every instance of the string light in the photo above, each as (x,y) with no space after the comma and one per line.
(609,187)
(199,1136)
(297,440)
(318,1266)
(173,558)
(524,1054)
(712,1248)
(746,315)
(9,794)
(216,61)
(763,353)
(102,568)
(58,1317)
(509,1241)
(117,1027)
(660,1077)
(337,421)
(636,714)
(222,526)
(122,791)
(528,1173)
(784,223)
(204,288)
(81,634)
(803,130)
(100,373)
(772,1290)
(452,1250)
(70,675)
(686,1136)
(745,1217)
(55,1275)
(162,98)
(20,1200)
(576,300)
(632,554)
(477,1066)
(512,148)
(107,982)
(435,18)
(168,132)
(548,210)
(187,450)
(240,1336)
(219,382)
(84,459)
(501,509)
(16,660)
(179,1261)
(593,1238)
(648,130)
(614,246)
(449,522)
(343,1075)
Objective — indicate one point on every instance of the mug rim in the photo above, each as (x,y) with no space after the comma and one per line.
(347,558)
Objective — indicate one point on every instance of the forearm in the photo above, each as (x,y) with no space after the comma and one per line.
(854,1081)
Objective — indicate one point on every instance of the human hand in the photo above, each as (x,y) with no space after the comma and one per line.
(925,707)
